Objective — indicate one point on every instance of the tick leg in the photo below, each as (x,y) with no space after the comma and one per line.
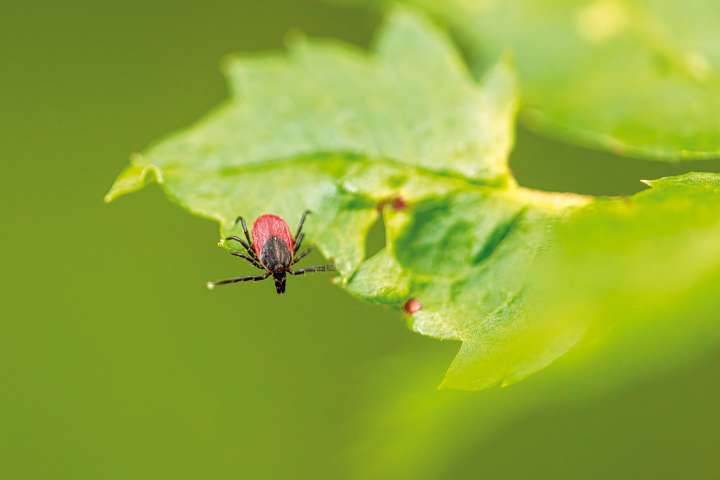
(245,229)
(254,262)
(239,240)
(301,256)
(246,278)
(314,268)
(248,248)
(298,243)
(302,222)
(247,243)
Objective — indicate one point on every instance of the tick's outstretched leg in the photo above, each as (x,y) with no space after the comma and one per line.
(299,235)
(314,268)
(298,243)
(302,221)
(242,242)
(301,256)
(246,278)
(247,243)
(252,260)
(245,229)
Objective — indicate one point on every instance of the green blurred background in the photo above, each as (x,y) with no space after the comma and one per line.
(117,363)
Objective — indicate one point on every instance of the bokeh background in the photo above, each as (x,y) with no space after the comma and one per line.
(117,363)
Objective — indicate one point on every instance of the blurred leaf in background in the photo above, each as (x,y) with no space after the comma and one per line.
(635,78)
(644,274)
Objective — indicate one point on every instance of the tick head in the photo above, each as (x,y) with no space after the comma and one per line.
(279,282)
(279,273)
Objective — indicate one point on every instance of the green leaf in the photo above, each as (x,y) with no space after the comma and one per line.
(645,276)
(340,132)
(638,279)
(637,78)
(300,131)
(347,135)
(616,270)
(466,257)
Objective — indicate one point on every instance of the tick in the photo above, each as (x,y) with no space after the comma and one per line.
(273,250)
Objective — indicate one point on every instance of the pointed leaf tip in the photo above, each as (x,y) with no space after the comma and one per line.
(133,178)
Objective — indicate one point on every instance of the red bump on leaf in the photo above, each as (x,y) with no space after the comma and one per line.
(399,203)
(412,306)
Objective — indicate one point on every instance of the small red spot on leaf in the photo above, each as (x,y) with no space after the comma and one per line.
(412,306)
(399,203)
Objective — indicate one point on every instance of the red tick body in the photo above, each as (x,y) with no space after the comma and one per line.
(272,249)
(268,226)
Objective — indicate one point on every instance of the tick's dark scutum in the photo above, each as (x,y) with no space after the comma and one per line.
(276,257)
